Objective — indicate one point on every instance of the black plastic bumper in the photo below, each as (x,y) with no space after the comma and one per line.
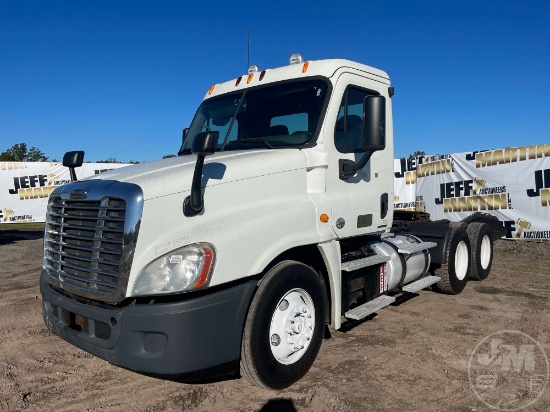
(170,339)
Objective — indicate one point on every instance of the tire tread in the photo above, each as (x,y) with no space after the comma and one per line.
(475,235)
(444,285)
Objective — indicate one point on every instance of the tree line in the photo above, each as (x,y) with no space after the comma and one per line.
(21,153)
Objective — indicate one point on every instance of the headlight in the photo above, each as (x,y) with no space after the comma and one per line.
(182,269)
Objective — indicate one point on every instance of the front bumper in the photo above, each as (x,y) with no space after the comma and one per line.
(167,339)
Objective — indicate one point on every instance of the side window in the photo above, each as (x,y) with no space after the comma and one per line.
(349,125)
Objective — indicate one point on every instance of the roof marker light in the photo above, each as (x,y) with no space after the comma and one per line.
(250,76)
(296,58)
(238,81)
(253,69)
(304,67)
(262,74)
(211,89)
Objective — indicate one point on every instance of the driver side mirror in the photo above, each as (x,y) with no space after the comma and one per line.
(184,134)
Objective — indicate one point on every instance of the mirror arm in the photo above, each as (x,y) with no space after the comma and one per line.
(204,144)
(194,203)
(72,173)
(348,168)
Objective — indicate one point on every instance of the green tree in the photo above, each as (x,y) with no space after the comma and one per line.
(114,160)
(19,153)
(109,160)
(417,153)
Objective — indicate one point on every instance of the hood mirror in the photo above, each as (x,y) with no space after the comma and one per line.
(73,160)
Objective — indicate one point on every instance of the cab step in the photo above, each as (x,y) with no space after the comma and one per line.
(364,262)
(410,248)
(421,284)
(361,312)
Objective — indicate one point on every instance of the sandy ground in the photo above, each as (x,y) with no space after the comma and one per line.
(411,357)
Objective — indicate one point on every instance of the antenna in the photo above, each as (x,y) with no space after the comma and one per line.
(248,59)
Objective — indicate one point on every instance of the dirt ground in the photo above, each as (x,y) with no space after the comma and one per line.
(411,357)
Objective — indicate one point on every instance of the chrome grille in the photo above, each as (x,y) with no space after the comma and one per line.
(84,243)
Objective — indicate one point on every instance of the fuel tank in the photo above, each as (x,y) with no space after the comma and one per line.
(403,267)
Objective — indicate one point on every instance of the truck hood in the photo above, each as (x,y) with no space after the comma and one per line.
(174,175)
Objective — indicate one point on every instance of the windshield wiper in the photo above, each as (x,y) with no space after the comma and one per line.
(254,140)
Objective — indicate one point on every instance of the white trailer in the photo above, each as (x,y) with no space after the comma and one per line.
(275,220)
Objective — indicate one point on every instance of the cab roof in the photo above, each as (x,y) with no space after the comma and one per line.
(311,68)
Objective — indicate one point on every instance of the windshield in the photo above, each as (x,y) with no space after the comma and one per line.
(280,115)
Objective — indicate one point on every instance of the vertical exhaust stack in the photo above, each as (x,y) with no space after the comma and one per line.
(72,160)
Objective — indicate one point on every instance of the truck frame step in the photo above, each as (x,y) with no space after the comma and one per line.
(420,284)
(361,312)
(409,249)
(364,262)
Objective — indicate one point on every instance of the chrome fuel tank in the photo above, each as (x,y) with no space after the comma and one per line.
(402,268)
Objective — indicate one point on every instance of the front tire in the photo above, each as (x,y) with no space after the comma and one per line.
(454,274)
(284,326)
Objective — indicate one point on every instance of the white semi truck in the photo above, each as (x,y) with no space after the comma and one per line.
(275,220)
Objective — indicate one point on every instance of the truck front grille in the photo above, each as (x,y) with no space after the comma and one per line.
(84,243)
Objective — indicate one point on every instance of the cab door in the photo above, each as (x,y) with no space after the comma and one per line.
(362,203)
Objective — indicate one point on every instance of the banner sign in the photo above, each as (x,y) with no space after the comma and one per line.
(512,184)
(404,197)
(26,186)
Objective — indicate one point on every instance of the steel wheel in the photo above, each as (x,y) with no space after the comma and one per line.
(292,326)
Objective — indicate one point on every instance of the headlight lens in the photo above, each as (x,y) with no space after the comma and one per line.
(182,269)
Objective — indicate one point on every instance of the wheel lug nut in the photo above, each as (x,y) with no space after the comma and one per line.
(304,309)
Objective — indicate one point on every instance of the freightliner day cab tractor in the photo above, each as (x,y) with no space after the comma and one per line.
(275,220)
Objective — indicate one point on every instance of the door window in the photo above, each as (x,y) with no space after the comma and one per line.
(348,135)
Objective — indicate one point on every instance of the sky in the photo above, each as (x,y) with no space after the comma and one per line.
(121,79)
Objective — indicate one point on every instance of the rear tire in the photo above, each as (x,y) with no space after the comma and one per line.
(454,274)
(284,326)
(482,250)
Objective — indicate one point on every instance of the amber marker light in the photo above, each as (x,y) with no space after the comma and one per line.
(323,218)
(304,67)
(211,89)
(250,76)
(207,265)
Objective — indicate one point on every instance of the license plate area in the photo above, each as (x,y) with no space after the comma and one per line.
(77,322)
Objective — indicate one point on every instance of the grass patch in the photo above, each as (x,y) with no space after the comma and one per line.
(22,227)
